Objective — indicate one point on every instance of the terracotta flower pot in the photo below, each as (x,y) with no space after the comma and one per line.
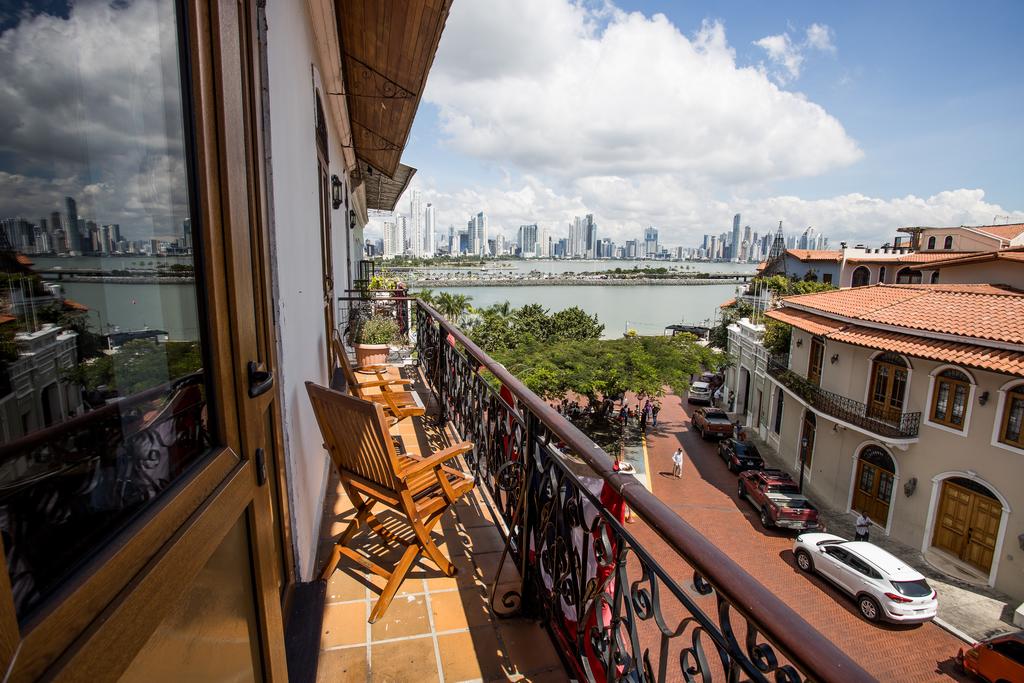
(372,354)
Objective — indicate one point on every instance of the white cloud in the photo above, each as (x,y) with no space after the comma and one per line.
(819,36)
(788,56)
(558,90)
(784,54)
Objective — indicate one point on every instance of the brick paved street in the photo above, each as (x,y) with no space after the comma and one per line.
(706,498)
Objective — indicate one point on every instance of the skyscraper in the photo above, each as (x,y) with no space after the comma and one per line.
(478,234)
(428,229)
(392,239)
(453,244)
(528,240)
(590,236)
(74,237)
(416,223)
(651,242)
(735,253)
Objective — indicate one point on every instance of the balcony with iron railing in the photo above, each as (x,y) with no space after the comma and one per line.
(890,425)
(552,582)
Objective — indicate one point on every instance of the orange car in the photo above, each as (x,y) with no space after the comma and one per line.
(997,660)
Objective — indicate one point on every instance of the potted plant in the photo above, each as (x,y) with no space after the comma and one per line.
(374,338)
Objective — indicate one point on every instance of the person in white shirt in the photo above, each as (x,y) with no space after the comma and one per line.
(863,526)
(677,463)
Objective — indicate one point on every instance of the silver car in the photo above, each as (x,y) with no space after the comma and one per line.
(700,392)
(884,586)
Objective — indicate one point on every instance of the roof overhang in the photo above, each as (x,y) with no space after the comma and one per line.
(387,50)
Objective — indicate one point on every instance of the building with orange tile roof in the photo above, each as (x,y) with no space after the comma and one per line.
(906,401)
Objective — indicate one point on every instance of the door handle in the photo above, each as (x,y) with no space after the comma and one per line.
(261,379)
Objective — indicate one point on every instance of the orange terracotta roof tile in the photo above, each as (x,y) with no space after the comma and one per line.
(4,319)
(729,303)
(1013,255)
(988,312)
(808,322)
(916,257)
(815,254)
(1006,232)
(74,305)
(24,260)
(958,353)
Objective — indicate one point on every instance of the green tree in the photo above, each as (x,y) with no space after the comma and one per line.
(453,306)
(598,368)
(719,336)
(776,336)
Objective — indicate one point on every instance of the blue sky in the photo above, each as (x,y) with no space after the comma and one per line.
(915,99)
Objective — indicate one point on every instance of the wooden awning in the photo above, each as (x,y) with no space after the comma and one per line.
(382,192)
(387,49)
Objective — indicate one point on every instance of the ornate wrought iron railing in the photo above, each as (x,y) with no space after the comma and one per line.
(616,610)
(896,426)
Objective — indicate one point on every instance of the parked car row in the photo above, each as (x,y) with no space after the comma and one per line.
(883,586)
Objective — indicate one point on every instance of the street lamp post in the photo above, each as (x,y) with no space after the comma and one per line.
(803,461)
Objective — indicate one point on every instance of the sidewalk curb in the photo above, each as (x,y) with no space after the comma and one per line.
(946,626)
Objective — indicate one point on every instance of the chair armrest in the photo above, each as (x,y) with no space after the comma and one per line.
(437,459)
(385,383)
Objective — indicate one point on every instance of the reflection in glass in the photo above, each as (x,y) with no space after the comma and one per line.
(102,391)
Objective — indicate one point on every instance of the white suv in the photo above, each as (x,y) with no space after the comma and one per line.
(700,392)
(884,586)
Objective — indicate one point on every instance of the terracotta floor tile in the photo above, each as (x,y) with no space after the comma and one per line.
(529,646)
(348,664)
(343,625)
(471,655)
(343,586)
(488,564)
(459,609)
(406,616)
(404,661)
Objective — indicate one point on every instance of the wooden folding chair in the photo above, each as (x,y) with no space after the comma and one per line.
(420,489)
(397,403)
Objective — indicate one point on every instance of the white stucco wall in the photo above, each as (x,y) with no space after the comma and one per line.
(302,341)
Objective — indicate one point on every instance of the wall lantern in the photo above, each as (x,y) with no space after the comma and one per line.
(351,219)
(835,358)
(909,487)
(336,192)
(983,399)
(799,341)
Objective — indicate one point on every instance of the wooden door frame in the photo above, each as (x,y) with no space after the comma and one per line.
(887,409)
(93,626)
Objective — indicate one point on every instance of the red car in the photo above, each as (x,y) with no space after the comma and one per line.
(711,422)
(778,498)
(996,660)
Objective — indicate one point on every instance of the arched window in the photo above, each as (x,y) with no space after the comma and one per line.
(861,277)
(949,399)
(881,274)
(908,276)
(948,244)
(1011,431)
(935,277)
(931,242)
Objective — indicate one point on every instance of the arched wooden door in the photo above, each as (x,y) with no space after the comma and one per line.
(888,386)
(873,485)
(967,523)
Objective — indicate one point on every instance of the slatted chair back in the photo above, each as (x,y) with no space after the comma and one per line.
(356,436)
(340,358)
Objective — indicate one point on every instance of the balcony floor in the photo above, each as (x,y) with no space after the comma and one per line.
(437,628)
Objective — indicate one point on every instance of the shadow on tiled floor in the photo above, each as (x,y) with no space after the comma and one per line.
(438,628)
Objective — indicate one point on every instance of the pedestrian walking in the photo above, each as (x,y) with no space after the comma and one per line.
(654,414)
(863,526)
(643,418)
(737,428)
(677,463)
(646,416)
(717,397)
(732,400)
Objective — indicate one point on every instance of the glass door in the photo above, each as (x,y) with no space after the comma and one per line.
(136,506)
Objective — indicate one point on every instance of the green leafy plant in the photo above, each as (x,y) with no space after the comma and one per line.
(377,330)
(776,336)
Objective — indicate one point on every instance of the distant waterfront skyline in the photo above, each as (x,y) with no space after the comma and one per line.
(848,119)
